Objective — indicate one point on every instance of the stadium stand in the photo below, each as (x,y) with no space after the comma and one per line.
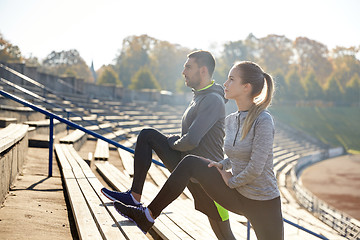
(121,121)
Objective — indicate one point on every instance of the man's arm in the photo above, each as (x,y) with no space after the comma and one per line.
(210,110)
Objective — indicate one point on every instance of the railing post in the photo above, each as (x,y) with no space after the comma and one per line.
(248,230)
(67,126)
(51,145)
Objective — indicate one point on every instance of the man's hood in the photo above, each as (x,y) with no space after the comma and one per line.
(216,88)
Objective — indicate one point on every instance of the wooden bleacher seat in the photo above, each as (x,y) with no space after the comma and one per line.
(11,135)
(6,121)
(94,214)
(102,150)
(42,126)
(13,148)
(171,224)
(76,138)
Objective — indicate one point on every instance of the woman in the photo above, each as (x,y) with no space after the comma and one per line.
(251,189)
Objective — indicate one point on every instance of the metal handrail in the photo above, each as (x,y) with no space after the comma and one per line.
(71,124)
(36,96)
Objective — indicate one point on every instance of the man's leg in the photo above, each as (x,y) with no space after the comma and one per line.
(222,229)
(150,139)
(217,215)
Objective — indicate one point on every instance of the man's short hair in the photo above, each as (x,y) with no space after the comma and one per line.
(204,58)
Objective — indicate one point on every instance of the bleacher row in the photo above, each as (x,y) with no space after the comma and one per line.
(84,159)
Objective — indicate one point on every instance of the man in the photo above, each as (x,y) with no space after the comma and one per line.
(202,134)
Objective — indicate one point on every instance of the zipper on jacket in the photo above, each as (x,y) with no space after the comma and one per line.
(238,127)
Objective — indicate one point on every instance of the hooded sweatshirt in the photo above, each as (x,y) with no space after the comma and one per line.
(202,127)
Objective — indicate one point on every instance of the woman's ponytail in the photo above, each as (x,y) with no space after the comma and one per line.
(258,84)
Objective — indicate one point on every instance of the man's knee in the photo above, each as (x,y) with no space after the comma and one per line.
(146,133)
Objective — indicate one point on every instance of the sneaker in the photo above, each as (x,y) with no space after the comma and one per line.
(124,197)
(136,214)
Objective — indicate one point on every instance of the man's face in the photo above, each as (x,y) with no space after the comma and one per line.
(191,73)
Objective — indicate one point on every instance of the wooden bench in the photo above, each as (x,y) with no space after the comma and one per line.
(76,138)
(43,126)
(179,220)
(5,121)
(13,148)
(94,214)
(102,150)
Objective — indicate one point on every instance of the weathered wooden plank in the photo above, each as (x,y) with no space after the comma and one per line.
(127,160)
(127,228)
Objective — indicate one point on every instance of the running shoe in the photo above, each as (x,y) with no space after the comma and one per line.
(137,214)
(123,197)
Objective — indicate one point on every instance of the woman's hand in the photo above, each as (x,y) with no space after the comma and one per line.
(224,174)
(215,164)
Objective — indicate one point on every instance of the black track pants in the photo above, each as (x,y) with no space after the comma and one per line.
(265,216)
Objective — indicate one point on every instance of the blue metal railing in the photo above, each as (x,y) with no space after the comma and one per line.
(71,124)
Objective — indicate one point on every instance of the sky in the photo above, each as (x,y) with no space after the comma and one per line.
(97,28)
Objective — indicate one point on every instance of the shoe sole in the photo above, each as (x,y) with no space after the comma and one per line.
(127,217)
(108,196)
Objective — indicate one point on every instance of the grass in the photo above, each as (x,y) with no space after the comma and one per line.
(337,126)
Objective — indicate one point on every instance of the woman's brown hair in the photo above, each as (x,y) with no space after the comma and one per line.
(253,74)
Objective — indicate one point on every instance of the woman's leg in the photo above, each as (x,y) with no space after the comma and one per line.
(266,218)
(150,139)
(209,178)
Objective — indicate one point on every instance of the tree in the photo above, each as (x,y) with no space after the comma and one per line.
(333,90)
(312,56)
(65,62)
(144,79)
(281,89)
(180,86)
(353,90)
(108,76)
(134,54)
(313,90)
(166,63)
(234,51)
(276,53)
(345,63)
(9,52)
(295,88)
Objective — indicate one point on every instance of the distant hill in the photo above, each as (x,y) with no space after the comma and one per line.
(337,126)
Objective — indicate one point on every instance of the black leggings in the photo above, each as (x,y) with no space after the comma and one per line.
(265,216)
(150,139)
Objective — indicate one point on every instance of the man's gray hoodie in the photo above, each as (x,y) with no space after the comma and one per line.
(202,130)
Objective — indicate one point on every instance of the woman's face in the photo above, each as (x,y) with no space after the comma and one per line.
(234,88)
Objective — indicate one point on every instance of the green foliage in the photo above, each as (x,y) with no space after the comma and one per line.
(337,126)
(144,79)
(353,90)
(311,72)
(281,88)
(333,89)
(9,52)
(165,60)
(108,77)
(67,63)
(295,88)
(180,86)
(313,90)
